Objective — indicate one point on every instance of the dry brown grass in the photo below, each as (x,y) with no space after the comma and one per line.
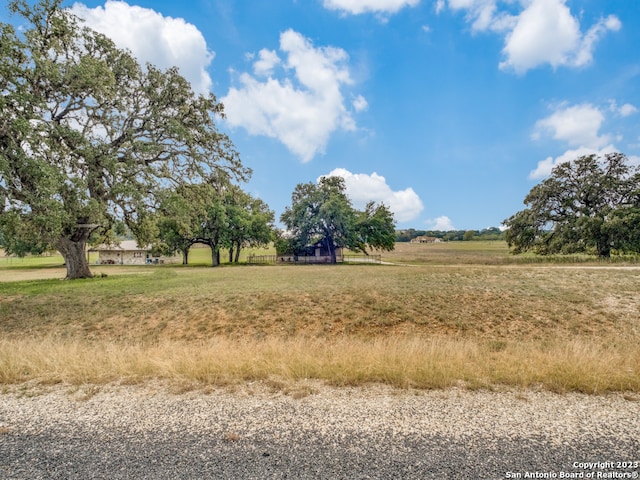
(488,253)
(449,253)
(478,302)
(574,365)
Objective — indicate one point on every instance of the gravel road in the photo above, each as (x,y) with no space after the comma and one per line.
(147,432)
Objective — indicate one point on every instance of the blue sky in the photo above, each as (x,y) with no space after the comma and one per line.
(448,111)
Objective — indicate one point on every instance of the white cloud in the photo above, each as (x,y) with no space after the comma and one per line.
(266,63)
(545,166)
(442,223)
(537,32)
(577,125)
(162,41)
(363,188)
(303,108)
(627,109)
(360,103)
(634,160)
(584,55)
(624,110)
(484,15)
(546,32)
(356,7)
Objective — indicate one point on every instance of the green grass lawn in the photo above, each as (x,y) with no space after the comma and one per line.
(32,261)
(445,253)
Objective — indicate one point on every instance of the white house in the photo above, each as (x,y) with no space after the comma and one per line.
(127,252)
(425,239)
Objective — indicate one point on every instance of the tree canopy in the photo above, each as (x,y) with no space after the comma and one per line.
(180,217)
(249,222)
(89,137)
(589,205)
(217,214)
(322,212)
(491,233)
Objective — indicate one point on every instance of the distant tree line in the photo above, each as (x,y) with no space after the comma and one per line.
(492,233)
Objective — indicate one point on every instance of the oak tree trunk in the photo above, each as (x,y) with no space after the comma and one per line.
(604,248)
(75,257)
(332,249)
(215,257)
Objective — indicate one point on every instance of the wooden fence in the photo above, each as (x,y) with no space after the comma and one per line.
(363,258)
(300,259)
(261,259)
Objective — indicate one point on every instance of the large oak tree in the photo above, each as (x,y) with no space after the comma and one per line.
(591,204)
(322,212)
(88,136)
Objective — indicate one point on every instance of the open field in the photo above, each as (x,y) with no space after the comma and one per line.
(489,253)
(51,266)
(458,316)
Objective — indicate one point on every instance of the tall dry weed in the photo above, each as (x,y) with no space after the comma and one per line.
(582,365)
